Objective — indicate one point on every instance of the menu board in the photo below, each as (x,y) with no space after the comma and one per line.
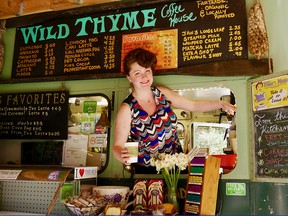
(35,115)
(181,33)
(271,143)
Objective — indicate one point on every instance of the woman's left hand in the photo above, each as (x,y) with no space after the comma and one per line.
(228,108)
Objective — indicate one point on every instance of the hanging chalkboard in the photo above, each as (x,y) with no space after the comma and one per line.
(182,33)
(271,143)
(35,115)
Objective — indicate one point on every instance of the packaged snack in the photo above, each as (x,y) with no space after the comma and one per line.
(140,193)
(155,192)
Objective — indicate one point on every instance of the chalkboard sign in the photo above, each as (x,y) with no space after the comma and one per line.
(37,115)
(182,33)
(271,143)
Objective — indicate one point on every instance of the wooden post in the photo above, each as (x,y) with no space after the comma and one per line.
(210,186)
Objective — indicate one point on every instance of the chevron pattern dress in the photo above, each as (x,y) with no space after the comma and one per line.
(155,133)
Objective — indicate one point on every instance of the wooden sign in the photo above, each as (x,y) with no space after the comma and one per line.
(270,93)
(181,33)
(271,143)
(35,115)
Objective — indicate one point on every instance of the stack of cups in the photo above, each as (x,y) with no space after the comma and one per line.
(233,140)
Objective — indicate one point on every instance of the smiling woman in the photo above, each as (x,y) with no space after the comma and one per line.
(147,114)
(214,129)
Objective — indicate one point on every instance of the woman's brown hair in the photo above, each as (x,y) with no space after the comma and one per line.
(143,57)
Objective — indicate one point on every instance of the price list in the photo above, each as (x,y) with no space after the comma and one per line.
(29,59)
(235,40)
(164,43)
(202,44)
(50,59)
(182,33)
(80,55)
(34,115)
(168,52)
(221,39)
(109,52)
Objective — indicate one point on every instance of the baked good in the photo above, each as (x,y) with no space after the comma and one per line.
(170,208)
(112,210)
(141,211)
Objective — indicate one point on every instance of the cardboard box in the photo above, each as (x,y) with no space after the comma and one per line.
(94,159)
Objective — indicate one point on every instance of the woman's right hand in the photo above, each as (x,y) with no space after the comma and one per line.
(125,156)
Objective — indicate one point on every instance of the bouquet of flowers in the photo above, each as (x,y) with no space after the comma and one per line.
(170,165)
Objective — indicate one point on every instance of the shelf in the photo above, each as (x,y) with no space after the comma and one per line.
(191,192)
(192,202)
(202,165)
(194,183)
(192,212)
(35,173)
(198,174)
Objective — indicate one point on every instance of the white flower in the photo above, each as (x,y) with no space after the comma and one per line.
(169,161)
(170,166)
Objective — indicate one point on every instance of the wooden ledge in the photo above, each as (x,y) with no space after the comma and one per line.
(243,67)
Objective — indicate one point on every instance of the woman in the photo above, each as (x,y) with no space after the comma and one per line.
(146,114)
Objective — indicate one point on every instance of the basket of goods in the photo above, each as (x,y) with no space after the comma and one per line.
(85,206)
(103,199)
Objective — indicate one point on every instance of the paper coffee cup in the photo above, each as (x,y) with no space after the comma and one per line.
(132,148)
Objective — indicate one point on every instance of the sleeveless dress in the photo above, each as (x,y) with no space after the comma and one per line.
(155,133)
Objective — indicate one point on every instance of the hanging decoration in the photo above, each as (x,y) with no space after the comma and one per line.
(258,43)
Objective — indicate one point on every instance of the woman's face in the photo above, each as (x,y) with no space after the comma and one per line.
(140,76)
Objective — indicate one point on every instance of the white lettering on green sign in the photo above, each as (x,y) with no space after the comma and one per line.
(235,189)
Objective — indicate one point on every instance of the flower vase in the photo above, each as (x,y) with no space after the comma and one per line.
(172,197)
